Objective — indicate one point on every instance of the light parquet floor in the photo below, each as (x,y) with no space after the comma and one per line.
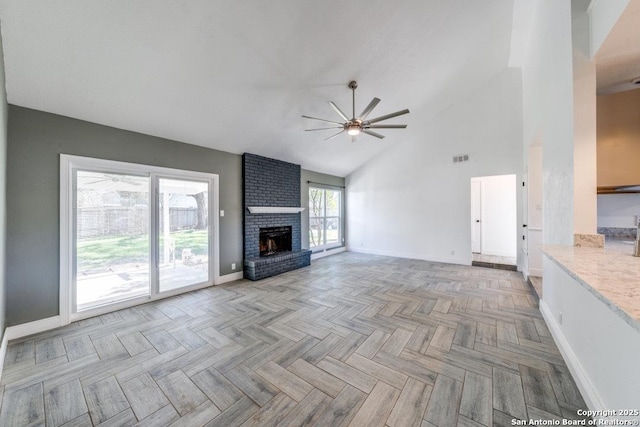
(354,339)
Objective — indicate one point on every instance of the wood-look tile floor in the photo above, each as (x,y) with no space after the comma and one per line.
(354,339)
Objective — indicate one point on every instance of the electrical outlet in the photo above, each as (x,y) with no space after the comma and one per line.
(221,212)
(560,318)
(233,265)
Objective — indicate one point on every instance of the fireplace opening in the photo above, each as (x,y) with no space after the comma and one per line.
(274,240)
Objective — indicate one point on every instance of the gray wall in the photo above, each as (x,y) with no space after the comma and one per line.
(322,178)
(36,139)
(3,206)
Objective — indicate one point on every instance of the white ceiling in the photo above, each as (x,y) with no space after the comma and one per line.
(237,75)
(618,59)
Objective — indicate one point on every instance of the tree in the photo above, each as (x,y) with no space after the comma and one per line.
(201,201)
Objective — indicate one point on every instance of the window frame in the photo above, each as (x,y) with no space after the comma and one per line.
(68,165)
(324,217)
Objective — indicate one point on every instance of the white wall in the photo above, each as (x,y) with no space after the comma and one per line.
(585,180)
(534,212)
(586,333)
(413,201)
(618,210)
(547,80)
(498,213)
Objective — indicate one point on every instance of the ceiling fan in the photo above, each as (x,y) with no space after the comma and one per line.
(355,125)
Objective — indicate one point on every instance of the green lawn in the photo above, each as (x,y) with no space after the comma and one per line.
(102,252)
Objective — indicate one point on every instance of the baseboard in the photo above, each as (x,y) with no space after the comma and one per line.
(537,272)
(30,328)
(409,255)
(328,252)
(588,391)
(3,351)
(230,278)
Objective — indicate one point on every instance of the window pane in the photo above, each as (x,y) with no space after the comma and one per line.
(333,230)
(316,202)
(316,232)
(112,238)
(333,203)
(184,233)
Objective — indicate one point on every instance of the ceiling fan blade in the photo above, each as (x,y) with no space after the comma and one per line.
(322,120)
(333,136)
(385,117)
(385,127)
(339,111)
(369,108)
(372,133)
(332,127)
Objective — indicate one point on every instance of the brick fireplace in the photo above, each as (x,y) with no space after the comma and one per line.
(272,233)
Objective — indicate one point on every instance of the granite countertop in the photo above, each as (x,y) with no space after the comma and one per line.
(612,274)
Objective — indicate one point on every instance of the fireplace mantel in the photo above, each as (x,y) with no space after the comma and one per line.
(273,209)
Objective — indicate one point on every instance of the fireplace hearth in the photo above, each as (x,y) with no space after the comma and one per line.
(274,240)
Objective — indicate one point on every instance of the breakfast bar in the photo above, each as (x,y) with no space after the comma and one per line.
(591,303)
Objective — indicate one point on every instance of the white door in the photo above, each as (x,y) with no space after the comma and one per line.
(476,209)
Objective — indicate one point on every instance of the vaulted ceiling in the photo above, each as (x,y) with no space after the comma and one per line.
(237,75)
(618,59)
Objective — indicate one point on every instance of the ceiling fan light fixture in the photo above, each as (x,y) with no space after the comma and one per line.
(353,130)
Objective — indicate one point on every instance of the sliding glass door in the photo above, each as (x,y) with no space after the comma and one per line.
(131,233)
(112,238)
(183,233)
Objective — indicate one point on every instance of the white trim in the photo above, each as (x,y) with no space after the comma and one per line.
(340,217)
(3,352)
(230,278)
(328,252)
(273,209)
(68,164)
(30,328)
(98,311)
(588,391)
(214,216)
(66,241)
(408,255)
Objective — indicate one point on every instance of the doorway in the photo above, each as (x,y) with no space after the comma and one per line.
(132,233)
(493,221)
